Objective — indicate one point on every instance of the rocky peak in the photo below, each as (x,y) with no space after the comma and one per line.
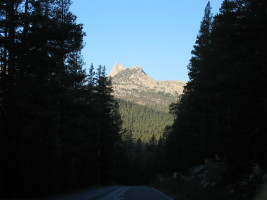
(116,69)
(137,69)
(133,84)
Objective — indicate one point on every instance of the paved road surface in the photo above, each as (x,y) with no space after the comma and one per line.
(119,193)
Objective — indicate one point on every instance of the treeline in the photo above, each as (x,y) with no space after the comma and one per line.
(223,110)
(143,121)
(59,126)
(140,160)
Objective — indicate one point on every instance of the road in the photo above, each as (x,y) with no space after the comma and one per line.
(119,193)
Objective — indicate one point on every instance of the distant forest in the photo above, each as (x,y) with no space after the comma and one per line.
(61,129)
(142,121)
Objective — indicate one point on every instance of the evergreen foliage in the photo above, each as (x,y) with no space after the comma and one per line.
(143,121)
(223,108)
(58,124)
(141,160)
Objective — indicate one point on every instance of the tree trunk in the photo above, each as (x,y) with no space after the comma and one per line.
(98,170)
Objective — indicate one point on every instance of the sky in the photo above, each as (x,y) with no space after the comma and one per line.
(157,35)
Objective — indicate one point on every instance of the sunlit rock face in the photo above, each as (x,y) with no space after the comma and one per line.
(116,69)
(133,84)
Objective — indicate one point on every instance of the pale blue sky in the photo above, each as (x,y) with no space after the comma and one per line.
(157,35)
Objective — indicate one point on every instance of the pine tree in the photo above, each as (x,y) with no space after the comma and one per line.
(37,87)
(238,34)
(219,111)
(189,130)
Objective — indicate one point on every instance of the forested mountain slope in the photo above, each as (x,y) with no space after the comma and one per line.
(144,102)
(142,121)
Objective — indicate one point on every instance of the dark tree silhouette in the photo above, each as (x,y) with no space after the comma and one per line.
(59,126)
(224,103)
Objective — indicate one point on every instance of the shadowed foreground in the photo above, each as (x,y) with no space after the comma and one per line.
(119,193)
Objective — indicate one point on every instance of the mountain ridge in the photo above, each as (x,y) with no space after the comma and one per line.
(116,69)
(134,85)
